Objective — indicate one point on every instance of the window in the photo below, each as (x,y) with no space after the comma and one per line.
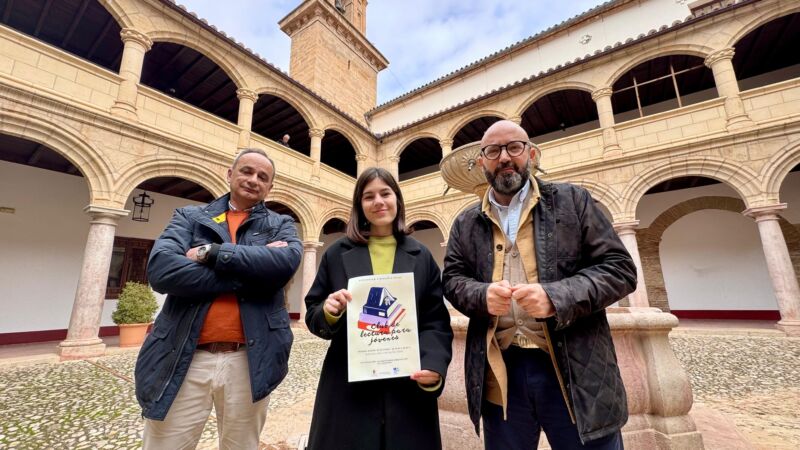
(128,263)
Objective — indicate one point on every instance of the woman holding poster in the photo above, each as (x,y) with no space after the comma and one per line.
(382,413)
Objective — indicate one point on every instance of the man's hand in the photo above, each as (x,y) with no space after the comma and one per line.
(426,377)
(192,253)
(336,303)
(534,300)
(498,298)
(278,244)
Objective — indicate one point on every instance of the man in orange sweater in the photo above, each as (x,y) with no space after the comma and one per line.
(222,339)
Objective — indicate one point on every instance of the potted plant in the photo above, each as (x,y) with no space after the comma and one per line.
(136,308)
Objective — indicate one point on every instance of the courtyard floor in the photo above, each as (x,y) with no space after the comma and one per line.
(752,380)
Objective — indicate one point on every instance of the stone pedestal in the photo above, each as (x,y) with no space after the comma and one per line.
(83,339)
(658,389)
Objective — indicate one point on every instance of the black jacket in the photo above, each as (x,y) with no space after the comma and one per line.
(255,272)
(351,415)
(583,267)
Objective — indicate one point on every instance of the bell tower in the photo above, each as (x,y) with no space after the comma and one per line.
(331,54)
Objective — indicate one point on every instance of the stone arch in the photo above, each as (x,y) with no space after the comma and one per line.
(777,169)
(768,15)
(293,100)
(649,240)
(304,212)
(200,46)
(70,144)
(421,214)
(451,133)
(741,179)
(701,51)
(138,172)
(469,201)
(117,12)
(398,150)
(340,213)
(602,193)
(357,145)
(550,88)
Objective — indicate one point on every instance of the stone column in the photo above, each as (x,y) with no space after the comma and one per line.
(516,119)
(247,99)
(360,164)
(136,44)
(447,146)
(627,234)
(84,323)
(316,151)
(394,166)
(779,266)
(721,64)
(309,272)
(605,114)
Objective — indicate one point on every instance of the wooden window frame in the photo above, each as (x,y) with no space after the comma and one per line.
(112,293)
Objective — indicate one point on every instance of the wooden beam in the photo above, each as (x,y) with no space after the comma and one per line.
(100,38)
(42,16)
(37,154)
(75,21)
(202,80)
(7,11)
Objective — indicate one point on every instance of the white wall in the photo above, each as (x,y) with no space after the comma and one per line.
(43,243)
(712,259)
(626,22)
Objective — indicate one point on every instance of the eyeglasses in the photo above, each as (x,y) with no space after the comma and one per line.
(513,148)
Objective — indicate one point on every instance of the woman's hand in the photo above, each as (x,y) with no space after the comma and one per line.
(426,377)
(336,302)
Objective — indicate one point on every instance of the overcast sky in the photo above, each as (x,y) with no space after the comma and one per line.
(422,39)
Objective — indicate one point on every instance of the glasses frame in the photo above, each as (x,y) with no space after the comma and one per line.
(527,145)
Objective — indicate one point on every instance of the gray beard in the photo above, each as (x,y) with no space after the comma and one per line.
(509,183)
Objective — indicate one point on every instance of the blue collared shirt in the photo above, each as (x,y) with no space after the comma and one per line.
(510,215)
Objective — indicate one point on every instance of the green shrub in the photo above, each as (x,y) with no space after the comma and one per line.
(136,304)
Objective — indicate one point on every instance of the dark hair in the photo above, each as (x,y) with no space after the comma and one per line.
(258,151)
(358,225)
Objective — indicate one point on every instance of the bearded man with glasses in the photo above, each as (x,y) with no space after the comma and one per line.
(534,266)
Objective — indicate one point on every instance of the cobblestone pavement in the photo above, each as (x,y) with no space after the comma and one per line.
(753,380)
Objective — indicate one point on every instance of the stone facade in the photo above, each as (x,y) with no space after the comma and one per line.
(119,133)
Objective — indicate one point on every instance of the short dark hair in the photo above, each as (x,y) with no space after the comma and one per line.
(358,225)
(258,151)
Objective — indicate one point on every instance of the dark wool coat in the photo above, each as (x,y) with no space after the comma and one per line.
(381,414)
(584,267)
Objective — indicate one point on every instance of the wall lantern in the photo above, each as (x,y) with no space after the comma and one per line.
(141,207)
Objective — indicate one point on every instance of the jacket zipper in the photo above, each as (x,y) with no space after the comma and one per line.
(178,356)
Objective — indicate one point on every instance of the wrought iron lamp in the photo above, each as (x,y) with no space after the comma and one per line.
(141,207)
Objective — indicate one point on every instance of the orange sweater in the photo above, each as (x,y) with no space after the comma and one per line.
(223,323)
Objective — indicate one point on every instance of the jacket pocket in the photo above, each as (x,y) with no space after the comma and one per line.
(155,359)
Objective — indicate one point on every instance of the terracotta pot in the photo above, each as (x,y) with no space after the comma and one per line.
(132,334)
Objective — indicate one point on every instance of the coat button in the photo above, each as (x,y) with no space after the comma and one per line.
(499,247)
(252,342)
(549,234)
(227,257)
(559,344)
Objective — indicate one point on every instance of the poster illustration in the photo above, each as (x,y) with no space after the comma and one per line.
(382,337)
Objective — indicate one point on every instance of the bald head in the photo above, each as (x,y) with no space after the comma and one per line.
(503,131)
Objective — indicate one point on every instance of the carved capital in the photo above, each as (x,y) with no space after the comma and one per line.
(394,159)
(719,55)
(132,35)
(248,94)
(363,158)
(602,92)
(446,142)
(316,133)
(761,213)
(626,227)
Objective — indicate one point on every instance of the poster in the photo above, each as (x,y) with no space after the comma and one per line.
(382,333)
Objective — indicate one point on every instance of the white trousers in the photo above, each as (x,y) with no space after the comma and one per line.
(220,380)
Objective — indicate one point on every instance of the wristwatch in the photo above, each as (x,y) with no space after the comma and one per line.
(202,253)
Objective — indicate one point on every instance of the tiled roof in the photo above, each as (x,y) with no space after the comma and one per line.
(698,15)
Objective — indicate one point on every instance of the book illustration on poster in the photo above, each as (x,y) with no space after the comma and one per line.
(381,312)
